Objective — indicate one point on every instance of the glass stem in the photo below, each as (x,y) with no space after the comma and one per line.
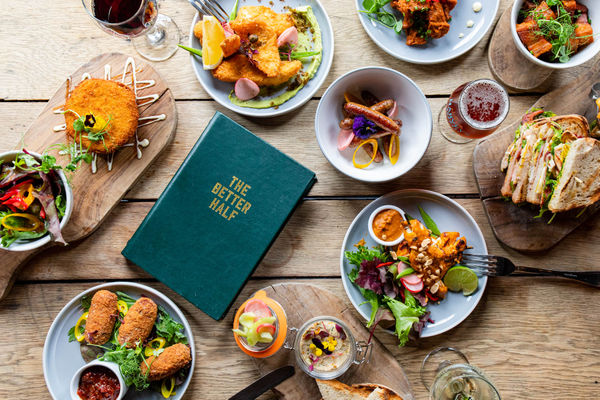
(156,35)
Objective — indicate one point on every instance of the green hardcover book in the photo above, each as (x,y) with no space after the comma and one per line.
(219,215)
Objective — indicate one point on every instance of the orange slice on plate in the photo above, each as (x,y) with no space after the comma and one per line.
(212,36)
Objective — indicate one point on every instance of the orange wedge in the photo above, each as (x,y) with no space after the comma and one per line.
(212,36)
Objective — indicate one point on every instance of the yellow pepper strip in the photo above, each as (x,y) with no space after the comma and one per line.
(168,392)
(394,151)
(29,190)
(371,141)
(122,307)
(598,104)
(149,349)
(36,224)
(78,335)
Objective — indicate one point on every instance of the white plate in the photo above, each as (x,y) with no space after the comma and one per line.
(219,91)
(413,110)
(449,216)
(62,359)
(436,50)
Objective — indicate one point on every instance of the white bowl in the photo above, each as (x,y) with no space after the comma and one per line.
(582,56)
(26,245)
(112,366)
(372,217)
(413,110)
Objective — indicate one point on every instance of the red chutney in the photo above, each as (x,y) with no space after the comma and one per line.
(98,383)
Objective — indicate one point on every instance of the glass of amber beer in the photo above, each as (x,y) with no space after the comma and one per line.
(473,111)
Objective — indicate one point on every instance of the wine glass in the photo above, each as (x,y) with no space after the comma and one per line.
(447,375)
(474,110)
(154,36)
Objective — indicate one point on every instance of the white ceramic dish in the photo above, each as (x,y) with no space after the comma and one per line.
(449,216)
(111,366)
(219,91)
(26,245)
(61,359)
(413,110)
(580,57)
(370,225)
(437,50)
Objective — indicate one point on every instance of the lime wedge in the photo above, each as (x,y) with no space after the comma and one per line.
(461,278)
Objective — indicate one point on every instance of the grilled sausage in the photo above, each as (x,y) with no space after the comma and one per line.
(167,363)
(101,318)
(381,120)
(138,322)
(346,123)
(369,150)
(383,106)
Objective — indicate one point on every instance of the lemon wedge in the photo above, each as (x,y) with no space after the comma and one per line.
(212,36)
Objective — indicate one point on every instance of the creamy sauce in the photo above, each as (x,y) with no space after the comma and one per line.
(329,340)
(142,101)
(470,23)
(461,35)
(477,6)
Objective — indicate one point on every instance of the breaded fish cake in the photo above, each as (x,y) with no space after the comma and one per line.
(114,107)
(138,322)
(101,318)
(167,363)
(264,45)
(238,66)
(275,21)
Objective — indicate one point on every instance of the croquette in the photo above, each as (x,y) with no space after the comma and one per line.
(114,110)
(138,322)
(101,318)
(171,360)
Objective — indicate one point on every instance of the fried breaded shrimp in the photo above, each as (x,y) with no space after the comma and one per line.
(138,322)
(238,66)
(101,318)
(275,21)
(167,363)
(113,106)
(263,42)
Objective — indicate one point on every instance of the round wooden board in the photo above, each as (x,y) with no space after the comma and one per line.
(95,195)
(302,302)
(508,64)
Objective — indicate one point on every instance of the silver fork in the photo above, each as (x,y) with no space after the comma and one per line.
(502,266)
(211,7)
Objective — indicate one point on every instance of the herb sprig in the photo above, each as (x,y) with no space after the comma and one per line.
(375,12)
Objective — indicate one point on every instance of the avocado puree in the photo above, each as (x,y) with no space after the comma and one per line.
(304,44)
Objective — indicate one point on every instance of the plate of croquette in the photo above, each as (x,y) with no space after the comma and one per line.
(135,330)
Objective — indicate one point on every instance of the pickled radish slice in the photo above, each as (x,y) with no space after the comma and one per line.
(289,36)
(258,308)
(345,137)
(266,328)
(246,89)
(413,288)
(393,112)
(411,279)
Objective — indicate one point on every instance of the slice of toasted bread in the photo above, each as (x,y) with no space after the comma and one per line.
(579,183)
(575,124)
(335,390)
(387,393)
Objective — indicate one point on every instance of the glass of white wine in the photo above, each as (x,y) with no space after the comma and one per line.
(447,375)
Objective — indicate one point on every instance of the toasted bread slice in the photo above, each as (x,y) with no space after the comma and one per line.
(335,390)
(378,394)
(575,124)
(388,393)
(579,183)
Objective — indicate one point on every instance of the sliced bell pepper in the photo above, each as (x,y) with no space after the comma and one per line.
(78,335)
(36,224)
(149,349)
(122,306)
(368,141)
(20,196)
(168,391)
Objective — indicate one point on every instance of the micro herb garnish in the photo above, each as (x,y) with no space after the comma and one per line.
(289,54)
(375,12)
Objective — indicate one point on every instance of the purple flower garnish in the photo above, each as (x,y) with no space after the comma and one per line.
(319,345)
(363,128)
(340,331)
(323,334)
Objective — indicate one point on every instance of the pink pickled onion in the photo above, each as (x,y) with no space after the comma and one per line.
(245,89)
(393,111)
(345,137)
(289,36)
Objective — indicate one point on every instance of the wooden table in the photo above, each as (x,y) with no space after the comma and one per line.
(536,338)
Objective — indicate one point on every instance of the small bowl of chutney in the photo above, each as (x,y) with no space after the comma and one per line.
(385,225)
(98,380)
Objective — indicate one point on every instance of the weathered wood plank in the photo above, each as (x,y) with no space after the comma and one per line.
(520,338)
(446,167)
(308,246)
(43,54)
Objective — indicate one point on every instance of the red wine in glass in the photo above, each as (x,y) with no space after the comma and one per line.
(473,111)
(155,36)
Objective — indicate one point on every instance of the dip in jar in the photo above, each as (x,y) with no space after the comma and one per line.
(98,383)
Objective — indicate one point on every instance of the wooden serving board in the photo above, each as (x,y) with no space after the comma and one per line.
(95,195)
(507,63)
(302,302)
(516,226)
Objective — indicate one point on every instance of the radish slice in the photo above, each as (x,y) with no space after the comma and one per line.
(258,308)
(270,328)
(411,279)
(245,89)
(393,111)
(228,30)
(345,137)
(289,36)
(413,288)
(402,266)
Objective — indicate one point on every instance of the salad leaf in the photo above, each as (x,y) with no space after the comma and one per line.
(405,316)
(363,253)
(168,328)
(46,198)
(129,361)
(373,299)
(10,236)
(61,205)
(429,223)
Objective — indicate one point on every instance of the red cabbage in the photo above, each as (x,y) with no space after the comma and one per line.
(45,196)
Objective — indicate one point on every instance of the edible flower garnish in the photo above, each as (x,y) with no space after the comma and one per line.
(363,128)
